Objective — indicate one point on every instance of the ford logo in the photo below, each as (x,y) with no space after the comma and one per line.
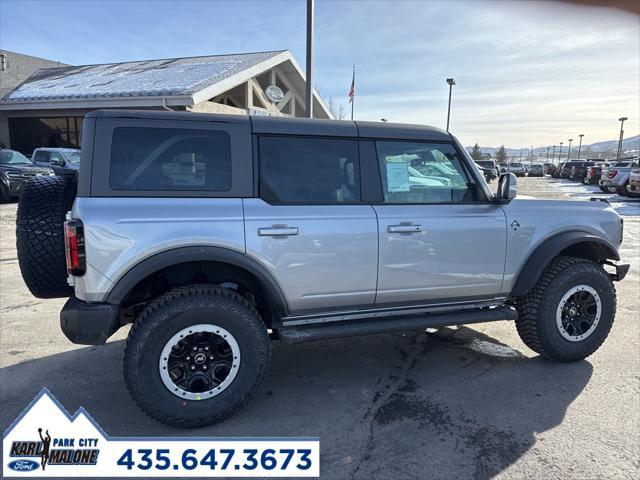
(23,465)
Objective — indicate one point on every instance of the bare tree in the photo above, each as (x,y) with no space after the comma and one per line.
(337,110)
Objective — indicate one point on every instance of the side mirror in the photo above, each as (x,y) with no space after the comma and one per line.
(58,162)
(507,187)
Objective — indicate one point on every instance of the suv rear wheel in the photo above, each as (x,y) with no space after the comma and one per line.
(196,355)
(568,314)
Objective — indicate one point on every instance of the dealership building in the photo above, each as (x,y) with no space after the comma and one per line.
(46,108)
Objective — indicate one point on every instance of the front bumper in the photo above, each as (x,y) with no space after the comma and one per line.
(621,269)
(87,323)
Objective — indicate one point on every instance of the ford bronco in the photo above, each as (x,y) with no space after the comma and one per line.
(213,235)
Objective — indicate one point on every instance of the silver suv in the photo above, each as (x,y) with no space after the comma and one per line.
(215,234)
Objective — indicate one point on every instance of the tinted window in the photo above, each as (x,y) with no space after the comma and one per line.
(423,173)
(309,170)
(41,156)
(170,159)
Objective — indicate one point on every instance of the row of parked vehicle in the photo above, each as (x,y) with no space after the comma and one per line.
(621,176)
(16,169)
(492,170)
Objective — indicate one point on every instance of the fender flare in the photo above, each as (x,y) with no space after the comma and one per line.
(180,255)
(551,248)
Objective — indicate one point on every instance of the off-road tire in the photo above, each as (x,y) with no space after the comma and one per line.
(536,321)
(42,210)
(179,309)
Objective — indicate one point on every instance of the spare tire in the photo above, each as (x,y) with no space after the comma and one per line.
(42,210)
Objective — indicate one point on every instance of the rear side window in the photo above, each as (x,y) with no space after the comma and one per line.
(309,170)
(155,159)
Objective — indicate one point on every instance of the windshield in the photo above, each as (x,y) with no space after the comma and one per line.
(517,165)
(621,164)
(485,164)
(73,157)
(13,158)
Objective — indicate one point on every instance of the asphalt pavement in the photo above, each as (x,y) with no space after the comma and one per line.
(468,402)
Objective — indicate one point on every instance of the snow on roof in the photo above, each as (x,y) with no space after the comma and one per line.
(176,76)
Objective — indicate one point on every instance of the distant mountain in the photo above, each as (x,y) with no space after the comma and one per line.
(628,144)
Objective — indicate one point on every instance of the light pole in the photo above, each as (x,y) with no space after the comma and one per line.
(569,152)
(621,120)
(384,120)
(451,83)
(553,154)
(548,148)
(309,86)
(560,153)
(580,145)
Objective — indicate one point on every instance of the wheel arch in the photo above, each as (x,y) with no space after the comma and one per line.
(203,259)
(574,244)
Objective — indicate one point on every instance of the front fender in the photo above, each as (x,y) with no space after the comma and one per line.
(579,243)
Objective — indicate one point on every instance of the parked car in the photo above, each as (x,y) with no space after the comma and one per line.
(549,168)
(558,170)
(579,170)
(341,244)
(489,169)
(634,183)
(517,168)
(536,170)
(592,177)
(63,161)
(567,168)
(15,170)
(616,176)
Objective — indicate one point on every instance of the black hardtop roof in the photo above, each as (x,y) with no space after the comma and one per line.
(293,125)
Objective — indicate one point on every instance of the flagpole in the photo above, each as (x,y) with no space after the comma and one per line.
(353,99)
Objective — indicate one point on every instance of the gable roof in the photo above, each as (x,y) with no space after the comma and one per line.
(173,81)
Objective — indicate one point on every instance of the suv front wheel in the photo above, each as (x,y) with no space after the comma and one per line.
(569,312)
(195,355)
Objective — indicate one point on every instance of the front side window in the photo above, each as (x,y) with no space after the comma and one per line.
(41,156)
(423,173)
(309,170)
(156,159)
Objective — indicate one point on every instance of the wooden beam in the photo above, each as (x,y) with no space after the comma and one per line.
(248,94)
(257,89)
(282,103)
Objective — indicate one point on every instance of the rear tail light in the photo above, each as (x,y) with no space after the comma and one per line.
(612,173)
(74,247)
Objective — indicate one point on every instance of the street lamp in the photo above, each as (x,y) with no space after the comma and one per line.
(548,148)
(621,120)
(560,153)
(569,152)
(553,154)
(384,120)
(451,83)
(580,146)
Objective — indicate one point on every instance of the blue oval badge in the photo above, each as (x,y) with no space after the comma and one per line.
(23,465)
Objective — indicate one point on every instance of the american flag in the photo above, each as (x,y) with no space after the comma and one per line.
(352,90)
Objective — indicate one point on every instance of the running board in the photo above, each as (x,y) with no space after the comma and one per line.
(300,334)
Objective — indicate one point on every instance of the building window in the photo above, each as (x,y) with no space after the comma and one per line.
(29,133)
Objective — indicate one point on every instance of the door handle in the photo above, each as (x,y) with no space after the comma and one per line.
(277,231)
(404,228)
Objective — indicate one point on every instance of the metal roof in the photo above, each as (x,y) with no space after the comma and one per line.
(149,78)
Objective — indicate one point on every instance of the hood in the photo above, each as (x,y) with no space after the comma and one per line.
(33,169)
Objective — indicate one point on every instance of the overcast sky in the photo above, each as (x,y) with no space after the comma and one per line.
(527,73)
